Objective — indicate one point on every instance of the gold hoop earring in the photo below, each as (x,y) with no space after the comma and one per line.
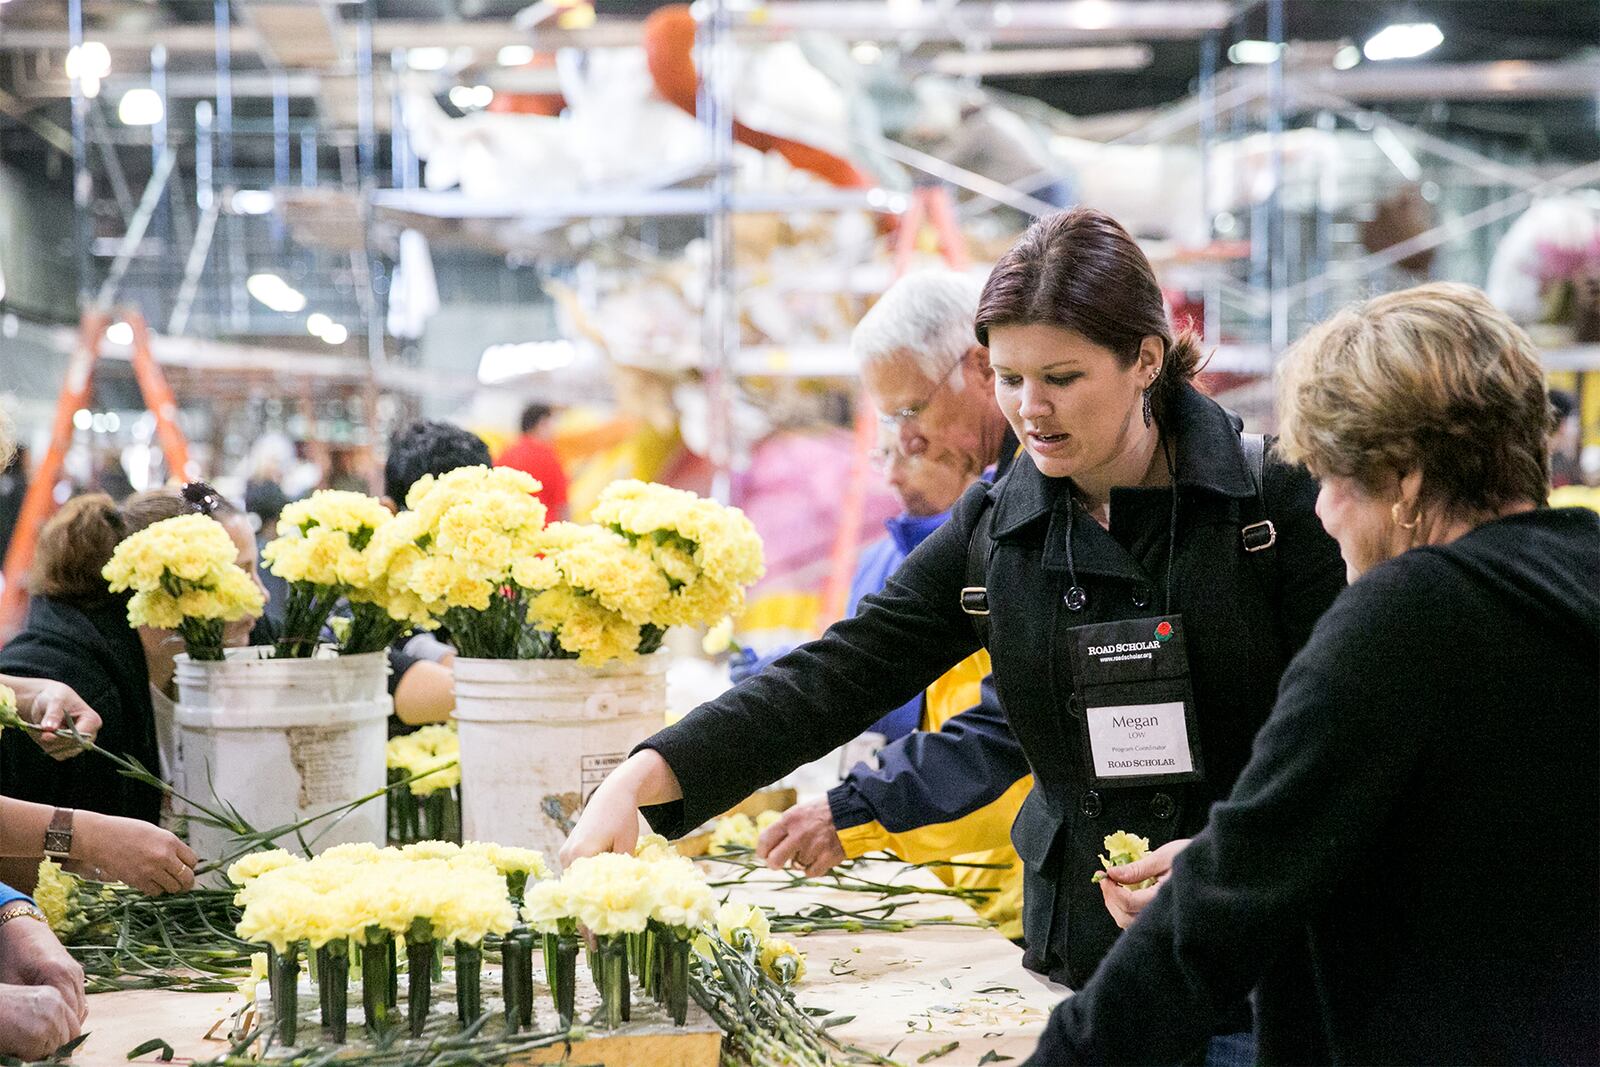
(1394,513)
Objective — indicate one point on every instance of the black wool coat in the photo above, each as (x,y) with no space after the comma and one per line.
(1244,617)
(91,648)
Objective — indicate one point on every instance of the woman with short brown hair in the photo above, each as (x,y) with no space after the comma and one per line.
(1138,521)
(1416,829)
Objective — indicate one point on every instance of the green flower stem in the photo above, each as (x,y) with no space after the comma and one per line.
(393,987)
(375,981)
(522,948)
(469,975)
(613,957)
(564,980)
(675,974)
(511,984)
(434,810)
(304,616)
(333,982)
(419,992)
(285,980)
(371,630)
(202,638)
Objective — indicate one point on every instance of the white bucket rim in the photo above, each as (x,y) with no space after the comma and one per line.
(351,714)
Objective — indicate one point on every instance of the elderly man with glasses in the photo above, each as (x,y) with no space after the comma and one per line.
(950,789)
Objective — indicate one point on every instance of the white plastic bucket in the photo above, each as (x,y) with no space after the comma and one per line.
(281,740)
(537,737)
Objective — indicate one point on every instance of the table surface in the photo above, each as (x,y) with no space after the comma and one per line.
(911,992)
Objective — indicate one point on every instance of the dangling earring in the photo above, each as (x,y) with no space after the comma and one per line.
(1145,404)
(1394,513)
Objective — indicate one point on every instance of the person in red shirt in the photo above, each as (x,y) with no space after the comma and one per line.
(533,452)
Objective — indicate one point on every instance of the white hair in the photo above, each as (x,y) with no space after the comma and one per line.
(925,317)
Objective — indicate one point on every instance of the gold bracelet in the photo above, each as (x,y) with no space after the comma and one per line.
(18,909)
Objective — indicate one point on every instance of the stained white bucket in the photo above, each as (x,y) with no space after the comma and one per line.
(537,737)
(281,740)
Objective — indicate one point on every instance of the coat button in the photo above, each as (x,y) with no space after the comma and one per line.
(1162,806)
(1090,804)
(1141,596)
(1077,598)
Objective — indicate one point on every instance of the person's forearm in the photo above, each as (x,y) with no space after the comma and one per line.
(425,694)
(648,778)
(23,823)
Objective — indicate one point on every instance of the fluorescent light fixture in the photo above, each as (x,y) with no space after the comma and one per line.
(502,363)
(83,418)
(1014,61)
(119,333)
(317,323)
(253,202)
(140,107)
(275,293)
(1092,14)
(1251,52)
(335,334)
(1346,57)
(431,58)
(1403,40)
(515,55)
(1397,153)
(91,59)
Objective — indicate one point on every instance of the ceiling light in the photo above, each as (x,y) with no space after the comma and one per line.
(865,52)
(253,202)
(335,334)
(317,323)
(1009,62)
(578,17)
(141,107)
(470,97)
(1346,57)
(89,85)
(1249,52)
(275,293)
(1403,40)
(91,59)
(1092,14)
(83,418)
(427,58)
(119,333)
(515,55)
(502,363)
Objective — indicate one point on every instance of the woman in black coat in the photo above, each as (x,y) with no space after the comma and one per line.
(77,633)
(1417,830)
(1135,506)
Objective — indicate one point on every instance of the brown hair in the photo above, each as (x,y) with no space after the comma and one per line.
(1081,271)
(1434,378)
(77,542)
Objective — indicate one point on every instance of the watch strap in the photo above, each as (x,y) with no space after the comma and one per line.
(58,835)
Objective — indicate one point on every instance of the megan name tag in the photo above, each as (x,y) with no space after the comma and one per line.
(1139,740)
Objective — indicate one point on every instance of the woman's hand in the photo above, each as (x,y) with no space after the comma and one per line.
(51,706)
(35,1020)
(610,821)
(30,955)
(1125,904)
(804,835)
(139,853)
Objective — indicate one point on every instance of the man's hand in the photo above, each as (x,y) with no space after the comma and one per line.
(34,1020)
(804,836)
(1125,904)
(52,705)
(30,955)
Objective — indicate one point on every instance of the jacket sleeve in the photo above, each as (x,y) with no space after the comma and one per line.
(1327,769)
(826,691)
(11,896)
(1311,572)
(939,794)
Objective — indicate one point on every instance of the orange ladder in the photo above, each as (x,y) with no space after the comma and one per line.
(39,501)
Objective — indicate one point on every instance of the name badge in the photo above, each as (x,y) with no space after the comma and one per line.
(1131,689)
(1135,740)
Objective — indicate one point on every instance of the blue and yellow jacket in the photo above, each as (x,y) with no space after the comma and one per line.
(951,791)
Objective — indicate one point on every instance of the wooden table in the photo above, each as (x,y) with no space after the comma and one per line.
(911,992)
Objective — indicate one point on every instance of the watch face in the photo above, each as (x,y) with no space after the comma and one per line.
(57,843)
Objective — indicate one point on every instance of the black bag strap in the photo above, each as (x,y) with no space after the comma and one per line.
(1260,535)
(975,594)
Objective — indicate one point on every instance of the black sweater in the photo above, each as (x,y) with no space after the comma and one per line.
(92,648)
(1417,828)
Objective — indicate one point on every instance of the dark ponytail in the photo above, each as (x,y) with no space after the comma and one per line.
(1081,271)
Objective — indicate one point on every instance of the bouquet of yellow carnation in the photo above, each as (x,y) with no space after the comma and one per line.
(321,552)
(184,577)
(431,806)
(455,552)
(708,553)
(593,594)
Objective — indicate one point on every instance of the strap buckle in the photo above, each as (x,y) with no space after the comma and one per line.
(975,600)
(1259,536)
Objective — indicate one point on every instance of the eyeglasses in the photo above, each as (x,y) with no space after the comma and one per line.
(907,415)
(202,498)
